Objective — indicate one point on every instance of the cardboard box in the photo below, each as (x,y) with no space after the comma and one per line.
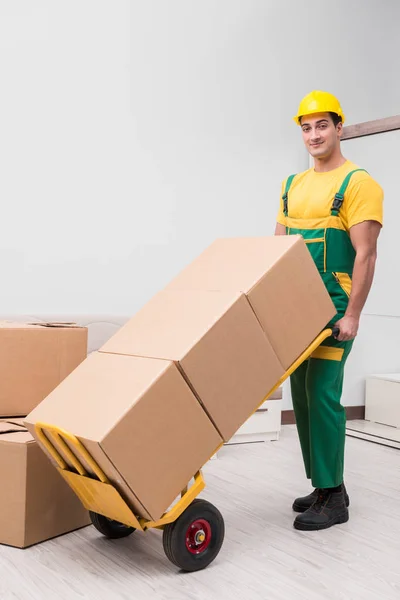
(36,504)
(34,359)
(217,343)
(279,278)
(139,420)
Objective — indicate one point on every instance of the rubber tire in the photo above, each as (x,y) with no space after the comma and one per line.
(174,537)
(110,529)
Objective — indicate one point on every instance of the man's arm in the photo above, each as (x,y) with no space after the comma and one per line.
(280,229)
(364,237)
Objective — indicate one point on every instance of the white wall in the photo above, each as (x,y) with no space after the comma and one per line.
(134,133)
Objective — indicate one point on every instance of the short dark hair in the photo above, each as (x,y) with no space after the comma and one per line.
(335,118)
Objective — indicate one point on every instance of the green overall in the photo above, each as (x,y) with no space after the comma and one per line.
(316,385)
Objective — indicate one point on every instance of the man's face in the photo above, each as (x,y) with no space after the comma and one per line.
(320,135)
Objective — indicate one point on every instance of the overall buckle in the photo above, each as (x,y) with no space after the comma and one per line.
(337,202)
(285,203)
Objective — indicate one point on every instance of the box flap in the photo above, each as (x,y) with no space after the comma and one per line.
(14,325)
(34,325)
(10,427)
(14,420)
(12,430)
(56,324)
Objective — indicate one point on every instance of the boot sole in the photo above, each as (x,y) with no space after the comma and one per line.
(300,508)
(317,527)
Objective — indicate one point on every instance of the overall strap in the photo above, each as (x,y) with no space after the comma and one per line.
(339,197)
(285,195)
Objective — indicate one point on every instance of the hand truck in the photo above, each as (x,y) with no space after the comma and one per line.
(193,529)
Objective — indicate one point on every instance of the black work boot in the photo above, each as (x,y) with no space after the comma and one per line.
(328,509)
(305,502)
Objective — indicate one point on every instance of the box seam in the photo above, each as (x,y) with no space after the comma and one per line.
(264,332)
(184,376)
(126,483)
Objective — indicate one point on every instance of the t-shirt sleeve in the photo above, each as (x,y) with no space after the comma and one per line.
(280,216)
(364,203)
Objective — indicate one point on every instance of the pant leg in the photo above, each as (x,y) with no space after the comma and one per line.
(301,411)
(327,417)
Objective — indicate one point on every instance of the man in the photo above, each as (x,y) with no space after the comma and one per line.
(337,208)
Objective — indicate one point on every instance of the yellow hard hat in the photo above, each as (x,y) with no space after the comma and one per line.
(317,102)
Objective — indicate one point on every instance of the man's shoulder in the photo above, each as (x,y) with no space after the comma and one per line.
(360,177)
(295,177)
(357,171)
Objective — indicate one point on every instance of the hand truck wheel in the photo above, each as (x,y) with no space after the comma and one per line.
(194,540)
(109,528)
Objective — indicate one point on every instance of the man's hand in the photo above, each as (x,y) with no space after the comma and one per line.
(280,229)
(348,328)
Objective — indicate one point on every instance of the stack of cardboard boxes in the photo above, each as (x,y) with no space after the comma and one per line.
(183,375)
(35,502)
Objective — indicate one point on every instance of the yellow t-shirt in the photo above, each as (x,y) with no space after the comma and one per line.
(311,196)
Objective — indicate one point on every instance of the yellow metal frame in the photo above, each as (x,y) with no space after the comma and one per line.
(91,484)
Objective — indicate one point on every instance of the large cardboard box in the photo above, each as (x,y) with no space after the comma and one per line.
(217,343)
(139,420)
(279,278)
(36,503)
(34,359)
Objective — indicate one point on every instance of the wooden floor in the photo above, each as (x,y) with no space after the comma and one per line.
(374,433)
(263,557)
